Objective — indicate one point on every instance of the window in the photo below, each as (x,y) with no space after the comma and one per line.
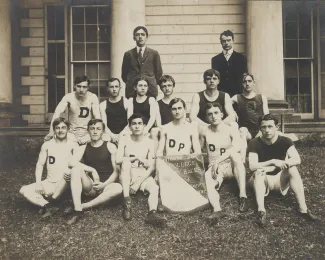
(298,56)
(90,45)
(55,55)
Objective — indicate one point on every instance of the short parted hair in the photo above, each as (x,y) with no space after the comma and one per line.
(80,79)
(59,120)
(246,74)
(139,28)
(211,105)
(210,73)
(165,78)
(94,122)
(139,78)
(112,80)
(227,33)
(176,100)
(268,117)
(135,116)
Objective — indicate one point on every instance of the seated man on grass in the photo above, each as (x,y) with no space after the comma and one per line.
(136,154)
(273,159)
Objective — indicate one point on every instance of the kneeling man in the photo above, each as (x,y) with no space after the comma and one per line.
(223,145)
(273,159)
(136,155)
(56,154)
(96,173)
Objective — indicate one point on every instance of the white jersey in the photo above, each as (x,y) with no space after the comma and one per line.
(137,149)
(178,138)
(80,111)
(217,143)
(58,156)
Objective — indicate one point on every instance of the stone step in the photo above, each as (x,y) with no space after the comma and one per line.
(304,127)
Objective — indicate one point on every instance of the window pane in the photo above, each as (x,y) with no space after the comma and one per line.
(289,10)
(78,33)
(323,92)
(103,33)
(290,69)
(91,51)
(305,104)
(60,91)
(291,30)
(304,26)
(104,69)
(91,33)
(293,102)
(51,54)
(92,71)
(60,69)
(78,51)
(91,15)
(304,48)
(291,86)
(51,22)
(305,85)
(104,15)
(78,15)
(322,19)
(102,89)
(322,54)
(104,51)
(51,92)
(291,48)
(78,69)
(94,87)
(59,22)
(304,68)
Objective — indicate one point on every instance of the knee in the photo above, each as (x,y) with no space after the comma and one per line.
(259,176)
(293,171)
(125,167)
(117,188)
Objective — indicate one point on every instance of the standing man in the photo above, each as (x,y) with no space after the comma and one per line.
(230,64)
(178,137)
(136,154)
(114,111)
(56,154)
(141,60)
(96,173)
(83,105)
(273,159)
(223,145)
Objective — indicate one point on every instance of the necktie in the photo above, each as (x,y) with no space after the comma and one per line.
(140,57)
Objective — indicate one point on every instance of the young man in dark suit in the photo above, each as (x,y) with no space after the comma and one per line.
(230,64)
(141,61)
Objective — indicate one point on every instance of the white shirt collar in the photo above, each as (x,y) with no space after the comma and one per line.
(228,52)
(143,48)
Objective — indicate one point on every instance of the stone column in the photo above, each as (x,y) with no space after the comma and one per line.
(5,54)
(264,43)
(126,15)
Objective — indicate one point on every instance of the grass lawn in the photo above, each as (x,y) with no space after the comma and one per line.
(103,234)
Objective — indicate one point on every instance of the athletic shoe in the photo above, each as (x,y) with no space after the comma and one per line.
(215,217)
(243,205)
(261,218)
(42,210)
(309,216)
(153,218)
(127,209)
(50,212)
(68,210)
(160,207)
(76,216)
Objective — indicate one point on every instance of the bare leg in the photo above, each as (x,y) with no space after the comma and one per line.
(32,196)
(260,189)
(126,178)
(213,194)
(153,190)
(240,173)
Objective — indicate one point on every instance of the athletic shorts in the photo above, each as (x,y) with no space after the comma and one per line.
(76,134)
(138,172)
(272,183)
(49,187)
(224,171)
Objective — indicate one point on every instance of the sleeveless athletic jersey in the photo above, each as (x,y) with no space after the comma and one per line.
(178,141)
(80,112)
(277,150)
(165,112)
(249,111)
(217,144)
(203,101)
(138,149)
(116,116)
(100,159)
(142,108)
(58,156)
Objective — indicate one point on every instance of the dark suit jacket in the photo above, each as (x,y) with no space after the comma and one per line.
(231,72)
(150,67)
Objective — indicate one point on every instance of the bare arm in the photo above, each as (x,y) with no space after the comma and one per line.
(151,165)
(130,107)
(112,149)
(40,163)
(162,142)
(102,109)
(231,114)
(293,157)
(153,114)
(158,117)
(95,107)
(195,140)
(195,108)
(58,111)
(265,105)
(254,164)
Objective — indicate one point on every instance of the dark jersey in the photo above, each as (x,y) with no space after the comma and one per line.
(277,150)
(203,101)
(116,116)
(165,112)
(100,159)
(249,111)
(142,108)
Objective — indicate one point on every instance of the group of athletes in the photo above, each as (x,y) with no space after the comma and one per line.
(108,149)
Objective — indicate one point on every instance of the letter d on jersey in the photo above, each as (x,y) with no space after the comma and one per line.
(212,148)
(172,143)
(51,159)
(84,112)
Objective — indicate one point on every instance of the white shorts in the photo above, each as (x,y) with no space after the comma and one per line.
(137,173)
(272,183)
(49,187)
(224,171)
